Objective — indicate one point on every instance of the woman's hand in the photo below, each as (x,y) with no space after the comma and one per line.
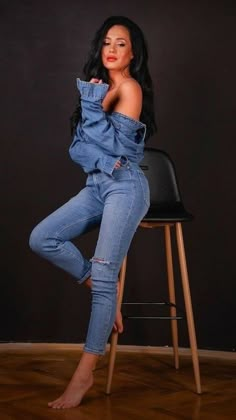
(94,80)
(118,164)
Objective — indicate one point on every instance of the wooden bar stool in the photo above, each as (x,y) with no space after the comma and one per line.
(166,211)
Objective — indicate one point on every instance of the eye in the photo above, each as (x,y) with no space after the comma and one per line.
(121,44)
(106,43)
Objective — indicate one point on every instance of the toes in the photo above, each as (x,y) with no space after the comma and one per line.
(118,328)
(51,403)
(67,405)
(56,404)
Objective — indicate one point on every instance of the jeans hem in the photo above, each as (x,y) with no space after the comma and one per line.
(85,277)
(95,352)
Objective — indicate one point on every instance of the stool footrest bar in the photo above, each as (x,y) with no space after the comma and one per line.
(154,317)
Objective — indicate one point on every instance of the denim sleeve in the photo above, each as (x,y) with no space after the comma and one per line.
(90,154)
(96,125)
(90,157)
(99,142)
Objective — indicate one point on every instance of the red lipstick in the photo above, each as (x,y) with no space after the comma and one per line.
(111,58)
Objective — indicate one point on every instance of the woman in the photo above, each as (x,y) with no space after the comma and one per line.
(108,143)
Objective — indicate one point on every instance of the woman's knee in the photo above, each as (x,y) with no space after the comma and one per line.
(37,240)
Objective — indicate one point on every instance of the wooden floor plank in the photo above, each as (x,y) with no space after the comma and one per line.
(145,386)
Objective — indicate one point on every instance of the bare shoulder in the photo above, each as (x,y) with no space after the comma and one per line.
(130,86)
(130,99)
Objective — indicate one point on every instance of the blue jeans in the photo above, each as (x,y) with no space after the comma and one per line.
(117,203)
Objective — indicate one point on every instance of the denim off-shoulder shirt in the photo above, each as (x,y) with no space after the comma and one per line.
(101,137)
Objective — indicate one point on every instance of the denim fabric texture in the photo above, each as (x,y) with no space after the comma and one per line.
(115,199)
(102,138)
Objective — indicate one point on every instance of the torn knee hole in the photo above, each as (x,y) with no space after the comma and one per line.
(99,260)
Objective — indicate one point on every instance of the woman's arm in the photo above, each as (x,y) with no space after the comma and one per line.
(96,125)
(99,142)
(90,157)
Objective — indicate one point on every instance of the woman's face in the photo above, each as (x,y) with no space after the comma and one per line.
(117,49)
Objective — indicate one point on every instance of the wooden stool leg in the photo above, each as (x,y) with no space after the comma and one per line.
(188,305)
(171,285)
(114,336)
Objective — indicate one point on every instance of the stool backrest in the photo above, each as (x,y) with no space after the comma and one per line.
(160,172)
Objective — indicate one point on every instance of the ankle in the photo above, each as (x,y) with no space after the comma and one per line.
(83,376)
(86,365)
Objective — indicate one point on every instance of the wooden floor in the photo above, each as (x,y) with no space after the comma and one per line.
(145,386)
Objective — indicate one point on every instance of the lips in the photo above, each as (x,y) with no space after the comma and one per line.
(111,58)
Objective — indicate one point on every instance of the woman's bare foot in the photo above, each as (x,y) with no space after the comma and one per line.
(74,392)
(118,324)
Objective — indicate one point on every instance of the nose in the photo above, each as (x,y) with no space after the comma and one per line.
(111,47)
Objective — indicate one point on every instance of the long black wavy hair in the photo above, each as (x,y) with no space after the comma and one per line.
(138,69)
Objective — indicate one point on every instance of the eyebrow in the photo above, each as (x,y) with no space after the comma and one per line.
(120,39)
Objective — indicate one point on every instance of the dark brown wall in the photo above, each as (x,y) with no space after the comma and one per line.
(192,61)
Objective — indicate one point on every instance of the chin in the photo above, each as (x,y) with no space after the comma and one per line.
(111,65)
(114,66)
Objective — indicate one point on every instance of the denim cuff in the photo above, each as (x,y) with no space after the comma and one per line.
(108,164)
(92,91)
(92,351)
(86,275)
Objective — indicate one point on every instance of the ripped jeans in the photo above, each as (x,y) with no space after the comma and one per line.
(117,203)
